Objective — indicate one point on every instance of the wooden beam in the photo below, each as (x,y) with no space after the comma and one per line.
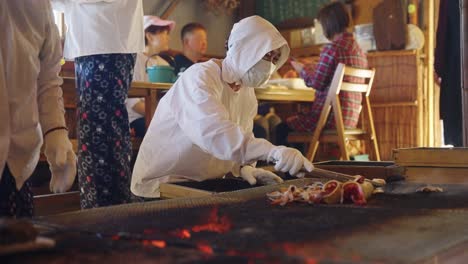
(170,9)
(49,204)
(464,67)
(429,81)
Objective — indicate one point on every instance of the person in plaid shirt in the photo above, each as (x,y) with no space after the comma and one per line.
(342,49)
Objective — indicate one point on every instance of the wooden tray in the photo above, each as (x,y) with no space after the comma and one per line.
(30,246)
(204,188)
(432,157)
(368,169)
(434,165)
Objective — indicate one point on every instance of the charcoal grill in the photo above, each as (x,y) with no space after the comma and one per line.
(400,226)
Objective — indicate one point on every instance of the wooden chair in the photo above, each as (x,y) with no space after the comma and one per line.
(340,135)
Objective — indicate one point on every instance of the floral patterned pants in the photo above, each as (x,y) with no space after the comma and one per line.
(15,203)
(104,150)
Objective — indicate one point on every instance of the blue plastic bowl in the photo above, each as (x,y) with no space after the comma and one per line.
(161,74)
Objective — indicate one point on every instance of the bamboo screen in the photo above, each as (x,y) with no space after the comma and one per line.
(396,100)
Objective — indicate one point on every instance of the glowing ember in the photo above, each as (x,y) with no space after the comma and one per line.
(155,243)
(215,223)
(205,248)
(182,233)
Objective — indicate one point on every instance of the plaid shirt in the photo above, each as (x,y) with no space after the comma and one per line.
(342,50)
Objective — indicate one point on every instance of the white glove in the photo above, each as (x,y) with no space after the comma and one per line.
(253,175)
(289,160)
(62,160)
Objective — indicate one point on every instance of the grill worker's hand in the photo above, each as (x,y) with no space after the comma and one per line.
(61,159)
(253,175)
(289,160)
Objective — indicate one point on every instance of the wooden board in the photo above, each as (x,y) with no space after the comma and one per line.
(432,175)
(27,247)
(203,188)
(432,157)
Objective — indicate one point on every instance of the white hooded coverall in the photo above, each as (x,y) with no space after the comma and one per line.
(202,128)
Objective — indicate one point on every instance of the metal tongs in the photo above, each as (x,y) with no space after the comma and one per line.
(321,173)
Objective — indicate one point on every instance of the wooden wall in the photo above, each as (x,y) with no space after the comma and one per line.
(363,11)
(397,100)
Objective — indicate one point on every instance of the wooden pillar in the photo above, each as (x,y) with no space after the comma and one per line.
(464,66)
(413,12)
(429,81)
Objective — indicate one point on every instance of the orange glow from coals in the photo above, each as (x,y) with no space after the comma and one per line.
(321,252)
(182,233)
(155,243)
(215,223)
(205,248)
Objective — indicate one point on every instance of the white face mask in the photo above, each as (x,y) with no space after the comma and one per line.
(259,74)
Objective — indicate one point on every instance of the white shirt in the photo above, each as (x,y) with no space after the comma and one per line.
(102,27)
(139,74)
(30,94)
(202,128)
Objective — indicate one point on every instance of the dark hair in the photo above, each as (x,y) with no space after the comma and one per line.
(155,30)
(189,28)
(334,19)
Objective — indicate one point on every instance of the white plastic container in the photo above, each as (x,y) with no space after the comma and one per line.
(364,34)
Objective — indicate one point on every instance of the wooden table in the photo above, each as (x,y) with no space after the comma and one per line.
(285,95)
(152,92)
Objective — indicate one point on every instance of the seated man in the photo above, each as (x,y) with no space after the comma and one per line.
(202,128)
(194,45)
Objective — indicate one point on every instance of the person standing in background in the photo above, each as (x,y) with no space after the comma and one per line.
(156,41)
(447,66)
(157,35)
(103,38)
(194,45)
(31,105)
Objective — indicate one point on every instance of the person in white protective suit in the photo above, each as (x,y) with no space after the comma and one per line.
(202,128)
(31,105)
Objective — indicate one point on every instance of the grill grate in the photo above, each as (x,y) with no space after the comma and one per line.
(399,226)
